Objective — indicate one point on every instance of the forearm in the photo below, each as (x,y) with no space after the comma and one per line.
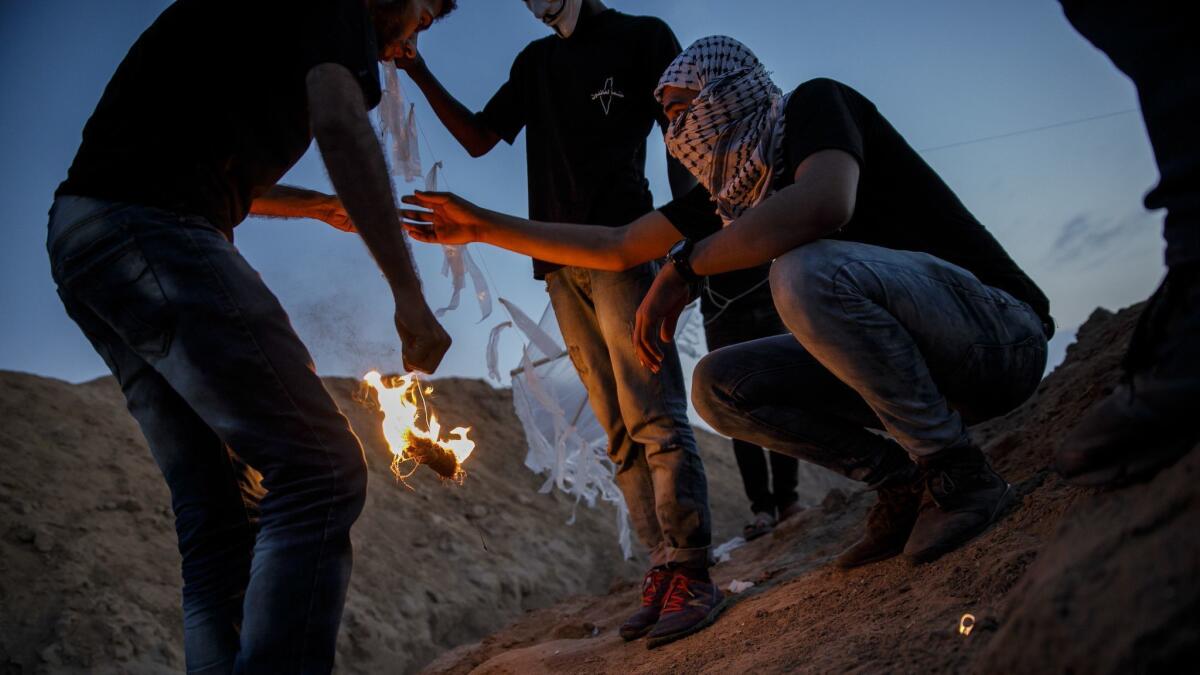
(285,201)
(359,174)
(818,203)
(462,123)
(791,218)
(591,246)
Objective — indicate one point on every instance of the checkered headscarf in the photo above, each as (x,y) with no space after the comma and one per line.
(729,136)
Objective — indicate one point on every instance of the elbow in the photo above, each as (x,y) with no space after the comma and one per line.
(477,150)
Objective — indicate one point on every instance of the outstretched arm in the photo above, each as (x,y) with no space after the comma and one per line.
(453,220)
(285,201)
(356,166)
(820,202)
(476,138)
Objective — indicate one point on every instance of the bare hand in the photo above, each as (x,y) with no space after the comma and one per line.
(424,340)
(335,215)
(450,219)
(410,57)
(657,316)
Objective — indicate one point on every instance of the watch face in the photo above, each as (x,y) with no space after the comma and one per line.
(678,250)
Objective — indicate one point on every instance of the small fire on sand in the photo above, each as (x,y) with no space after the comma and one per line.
(412,430)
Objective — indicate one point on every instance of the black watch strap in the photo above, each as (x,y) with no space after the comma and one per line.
(681,257)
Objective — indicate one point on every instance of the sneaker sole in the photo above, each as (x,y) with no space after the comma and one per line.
(631,636)
(1006,500)
(661,640)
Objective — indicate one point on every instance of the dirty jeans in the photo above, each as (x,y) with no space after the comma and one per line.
(1149,41)
(645,415)
(880,338)
(209,364)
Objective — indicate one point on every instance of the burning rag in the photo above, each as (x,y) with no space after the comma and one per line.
(730,136)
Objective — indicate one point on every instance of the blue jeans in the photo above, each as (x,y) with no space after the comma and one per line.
(213,373)
(645,415)
(896,340)
(772,491)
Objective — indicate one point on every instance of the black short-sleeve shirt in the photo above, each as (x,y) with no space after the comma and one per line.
(209,108)
(902,203)
(586,104)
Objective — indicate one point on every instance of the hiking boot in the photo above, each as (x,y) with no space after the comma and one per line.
(693,602)
(654,589)
(1149,421)
(889,522)
(762,524)
(968,496)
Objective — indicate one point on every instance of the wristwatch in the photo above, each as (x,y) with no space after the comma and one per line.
(680,256)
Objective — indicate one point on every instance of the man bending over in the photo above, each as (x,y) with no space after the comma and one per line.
(210,107)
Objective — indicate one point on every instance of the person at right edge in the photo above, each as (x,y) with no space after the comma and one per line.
(585,98)
(1148,422)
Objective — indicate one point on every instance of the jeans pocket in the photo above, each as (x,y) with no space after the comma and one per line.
(994,379)
(117,283)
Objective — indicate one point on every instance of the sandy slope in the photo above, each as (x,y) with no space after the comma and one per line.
(89,577)
(1070,581)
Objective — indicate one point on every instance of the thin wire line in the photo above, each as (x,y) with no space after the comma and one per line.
(1010,134)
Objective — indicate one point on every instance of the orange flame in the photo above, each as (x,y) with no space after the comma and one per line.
(403,404)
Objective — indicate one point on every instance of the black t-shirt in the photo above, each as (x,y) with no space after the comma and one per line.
(587,104)
(209,108)
(902,203)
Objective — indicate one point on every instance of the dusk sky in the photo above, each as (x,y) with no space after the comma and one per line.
(1065,201)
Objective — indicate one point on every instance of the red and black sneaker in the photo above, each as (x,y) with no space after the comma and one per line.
(693,602)
(654,589)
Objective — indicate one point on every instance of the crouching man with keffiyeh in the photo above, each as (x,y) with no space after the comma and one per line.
(904,314)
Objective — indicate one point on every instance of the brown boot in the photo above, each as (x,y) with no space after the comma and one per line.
(889,522)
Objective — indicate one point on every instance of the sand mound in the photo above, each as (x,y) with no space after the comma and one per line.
(89,579)
(1070,581)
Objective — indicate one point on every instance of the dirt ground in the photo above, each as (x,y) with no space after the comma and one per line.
(487,577)
(89,579)
(1070,581)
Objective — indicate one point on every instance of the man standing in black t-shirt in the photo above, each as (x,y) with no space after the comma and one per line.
(904,313)
(585,100)
(211,106)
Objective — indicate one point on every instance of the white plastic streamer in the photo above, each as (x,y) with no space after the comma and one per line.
(458,264)
(493,350)
(400,124)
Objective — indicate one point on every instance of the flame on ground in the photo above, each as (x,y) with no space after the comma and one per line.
(411,442)
(966,624)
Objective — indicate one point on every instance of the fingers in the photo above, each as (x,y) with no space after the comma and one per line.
(419,217)
(422,233)
(644,344)
(427,199)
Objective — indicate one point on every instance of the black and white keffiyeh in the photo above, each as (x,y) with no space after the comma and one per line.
(730,135)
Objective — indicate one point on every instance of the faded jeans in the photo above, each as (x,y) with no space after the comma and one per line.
(209,365)
(880,338)
(644,414)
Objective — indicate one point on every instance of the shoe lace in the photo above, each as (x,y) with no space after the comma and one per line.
(652,587)
(678,594)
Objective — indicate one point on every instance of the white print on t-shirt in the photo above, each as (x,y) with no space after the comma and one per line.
(606,95)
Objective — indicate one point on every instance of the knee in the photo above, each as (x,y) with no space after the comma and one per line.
(802,284)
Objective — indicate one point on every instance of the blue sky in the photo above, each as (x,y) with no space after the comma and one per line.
(1066,202)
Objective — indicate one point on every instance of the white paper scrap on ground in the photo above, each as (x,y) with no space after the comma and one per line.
(739,586)
(724,552)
